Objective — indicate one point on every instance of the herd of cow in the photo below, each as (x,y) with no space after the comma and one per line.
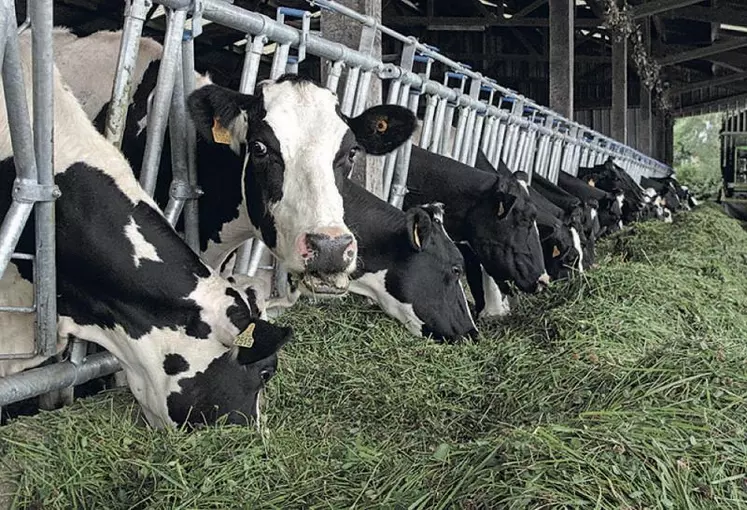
(275,165)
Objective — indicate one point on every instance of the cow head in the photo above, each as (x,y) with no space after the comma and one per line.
(296,147)
(229,387)
(425,279)
(502,231)
(558,247)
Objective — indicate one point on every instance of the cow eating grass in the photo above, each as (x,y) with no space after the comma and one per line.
(127,281)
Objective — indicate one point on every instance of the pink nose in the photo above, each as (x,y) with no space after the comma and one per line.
(327,250)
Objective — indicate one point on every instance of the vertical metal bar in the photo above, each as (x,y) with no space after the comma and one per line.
(476,138)
(158,117)
(438,125)
(6,25)
(191,207)
(487,134)
(116,117)
(426,133)
(22,144)
(251,63)
(178,140)
(333,78)
(45,270)
(361,96)
(456,149)
(348,97)
(279,61)
(444,147)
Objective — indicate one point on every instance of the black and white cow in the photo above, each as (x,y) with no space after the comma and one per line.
(581,216)
(126,281)
(294,149)
(610,177)
(488,212)
(610,204)
(408,265)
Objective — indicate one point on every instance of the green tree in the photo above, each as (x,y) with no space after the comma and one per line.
(697,151)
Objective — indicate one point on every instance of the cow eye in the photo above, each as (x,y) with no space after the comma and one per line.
(457,270)
(259,149)
(266,374)
(352,153)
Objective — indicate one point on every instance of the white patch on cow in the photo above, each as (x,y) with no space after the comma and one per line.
(373,285)
(620,199)
(101,50)
(310,133)
(577,245)
(593,213)
(143,249)
(495,304)
(620,224)
(524,185)
(667,215)
(694,201)
(232,235)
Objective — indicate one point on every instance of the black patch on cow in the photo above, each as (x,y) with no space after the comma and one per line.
(295,79)
(229,385)
(98,281)
(382,128)
(239,314)
(426,277)
(174,364)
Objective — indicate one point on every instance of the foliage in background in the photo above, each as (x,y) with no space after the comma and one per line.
(618,19)
(697,153)
(625,388)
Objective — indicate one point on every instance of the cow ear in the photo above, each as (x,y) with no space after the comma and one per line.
(419,226)
(260,340)
(383,128)
(504,203)
(220,115)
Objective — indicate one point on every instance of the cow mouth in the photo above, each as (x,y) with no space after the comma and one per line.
(334,285)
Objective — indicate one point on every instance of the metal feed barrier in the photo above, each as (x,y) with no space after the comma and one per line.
(501,122)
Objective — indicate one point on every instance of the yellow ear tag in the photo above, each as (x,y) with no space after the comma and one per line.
(220,133)
(592,183)
(246,338)
(555,252)
(501,209)
(382,125)
(415,235)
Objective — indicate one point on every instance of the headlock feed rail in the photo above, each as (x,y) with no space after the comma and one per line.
(495,119)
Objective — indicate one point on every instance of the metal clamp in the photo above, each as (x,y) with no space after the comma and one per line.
(181,190)
(305,17)
(29,192)
(197,8)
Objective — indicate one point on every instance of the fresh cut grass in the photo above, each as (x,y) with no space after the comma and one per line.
(624,388)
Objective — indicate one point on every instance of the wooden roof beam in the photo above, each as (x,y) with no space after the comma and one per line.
(426,21)
(715,82)
(530,8)
(659,6)
(707,51)
(720,14)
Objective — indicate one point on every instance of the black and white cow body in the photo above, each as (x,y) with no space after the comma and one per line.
(610,177)
(408,265)
(293,146)
(610,204)
(484,211)
(126,281)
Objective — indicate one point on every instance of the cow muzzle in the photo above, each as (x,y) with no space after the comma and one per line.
(329,256)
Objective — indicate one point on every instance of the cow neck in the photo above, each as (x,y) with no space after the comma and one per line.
(373,221)
(435,178)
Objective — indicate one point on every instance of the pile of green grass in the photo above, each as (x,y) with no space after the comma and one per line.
(624,388)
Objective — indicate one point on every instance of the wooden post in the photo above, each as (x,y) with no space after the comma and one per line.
(561,56)
(619,121)
(335,27)
(646,132)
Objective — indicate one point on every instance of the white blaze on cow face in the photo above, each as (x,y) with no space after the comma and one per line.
(579,249)
(310,136)
(496,305)
(373,285)
(142,248)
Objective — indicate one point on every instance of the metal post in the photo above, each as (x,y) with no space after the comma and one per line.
(158,117)
(191,207)
(116,118)
(45,276)
(251,63)
(619,128)
(426,133)
(22,143)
